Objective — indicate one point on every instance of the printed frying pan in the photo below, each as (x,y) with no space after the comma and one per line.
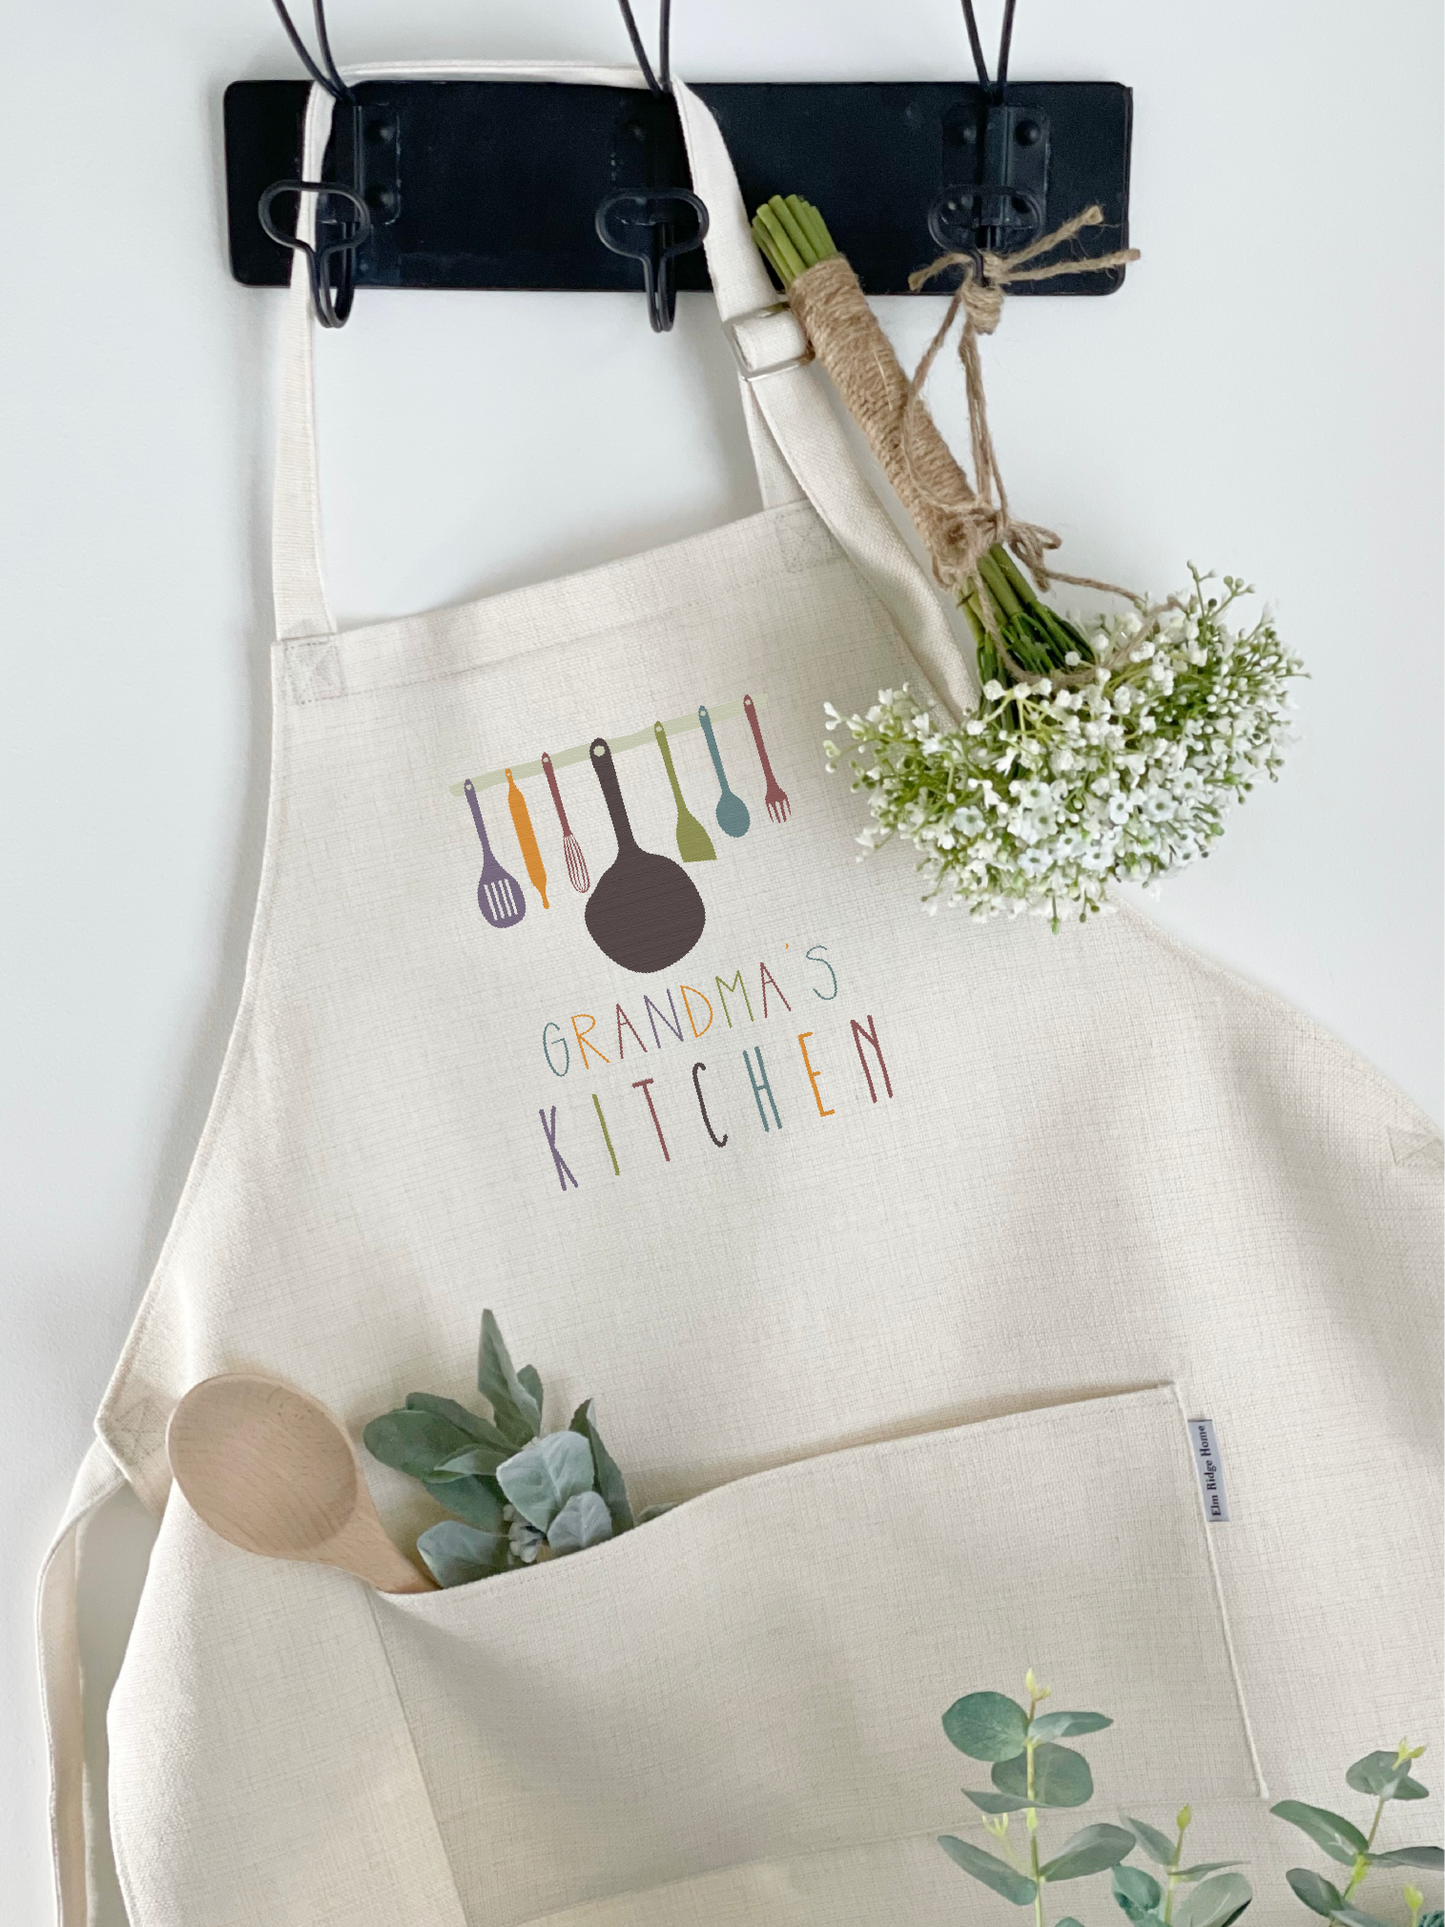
(645,912)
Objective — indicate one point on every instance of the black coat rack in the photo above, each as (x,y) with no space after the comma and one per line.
(517,184)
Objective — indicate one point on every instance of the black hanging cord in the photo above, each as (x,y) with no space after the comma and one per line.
(1005,42)
(329,77)
(661,81)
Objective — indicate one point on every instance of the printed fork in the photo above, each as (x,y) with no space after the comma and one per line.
(776,797)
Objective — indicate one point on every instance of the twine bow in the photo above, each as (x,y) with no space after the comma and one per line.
(973,520)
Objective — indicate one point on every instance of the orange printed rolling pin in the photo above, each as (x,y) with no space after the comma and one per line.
(527,837)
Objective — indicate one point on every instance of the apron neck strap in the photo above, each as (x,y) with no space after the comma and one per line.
(798,442)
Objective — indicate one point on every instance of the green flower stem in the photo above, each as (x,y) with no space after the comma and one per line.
(792,235)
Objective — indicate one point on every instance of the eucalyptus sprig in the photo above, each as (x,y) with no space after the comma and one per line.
(1145,1900)
(518,1494)
(1385,1776)
(1032,1773)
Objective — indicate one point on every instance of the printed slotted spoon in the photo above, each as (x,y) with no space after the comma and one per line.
(571,848)
(499,895)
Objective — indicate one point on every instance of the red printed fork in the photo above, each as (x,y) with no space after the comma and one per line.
(776,798)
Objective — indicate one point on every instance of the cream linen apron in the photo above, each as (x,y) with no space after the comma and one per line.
(904,1250)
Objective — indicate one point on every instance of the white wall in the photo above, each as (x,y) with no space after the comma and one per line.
(1264,397)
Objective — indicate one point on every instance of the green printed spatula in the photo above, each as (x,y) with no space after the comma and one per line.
(694,845)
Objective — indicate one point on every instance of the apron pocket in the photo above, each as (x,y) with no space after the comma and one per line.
(762,1673)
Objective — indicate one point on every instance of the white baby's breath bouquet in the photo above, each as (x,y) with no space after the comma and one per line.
(1120,761)
(1103,747)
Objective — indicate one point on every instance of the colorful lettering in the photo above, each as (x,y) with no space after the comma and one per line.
(582,1042)
(871,1033)
(760,1087)
(674,1024)
(684,989)
(606,1138)
(644,1084)
(547,1047)
(623,1018)
(564,1175)
(812,1074)
(718,1141)
(738,985)
(769,978)
(826,995)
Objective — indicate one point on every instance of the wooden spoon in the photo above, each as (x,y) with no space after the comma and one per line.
(270,1469)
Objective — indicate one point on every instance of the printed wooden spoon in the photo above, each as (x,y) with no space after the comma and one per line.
(270,1469)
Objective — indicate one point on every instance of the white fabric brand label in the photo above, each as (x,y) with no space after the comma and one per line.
(1211,1473)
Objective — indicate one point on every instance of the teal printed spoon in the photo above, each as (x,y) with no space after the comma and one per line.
(732,811)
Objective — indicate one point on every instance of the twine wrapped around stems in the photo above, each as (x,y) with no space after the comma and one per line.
(959,521)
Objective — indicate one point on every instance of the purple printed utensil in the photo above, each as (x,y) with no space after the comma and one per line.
(499,895)
(776,797)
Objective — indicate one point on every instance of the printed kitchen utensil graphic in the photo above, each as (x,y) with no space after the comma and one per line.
(499,895)
(644,912)
(694,845)
(571,849)
(527,837)
(776,797)
(272,1471)
(732,812)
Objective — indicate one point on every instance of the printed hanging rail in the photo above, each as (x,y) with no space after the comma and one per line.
(581,752)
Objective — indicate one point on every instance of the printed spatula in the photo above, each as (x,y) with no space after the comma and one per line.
(694,845)
(499,895)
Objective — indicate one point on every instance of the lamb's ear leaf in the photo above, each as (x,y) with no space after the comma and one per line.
(1214,1903)
(477,1501)
(417,1443)
(544,1475)
(1061,1776)
(517,1413)
(1340,1838)
(988,1868)
(1137,1892)
(529,1376)
(475,1427)
(584,1521)
(610,1482)
(987,1726)
(1429,1857)
(477,1462)
(455,1554)
(656,1511)
(1318,1894)
(1065,1726)
(1158,1845)
(1089,1851)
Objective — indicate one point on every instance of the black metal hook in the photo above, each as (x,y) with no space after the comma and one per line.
(331,305)
(640,223)
(331,308)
